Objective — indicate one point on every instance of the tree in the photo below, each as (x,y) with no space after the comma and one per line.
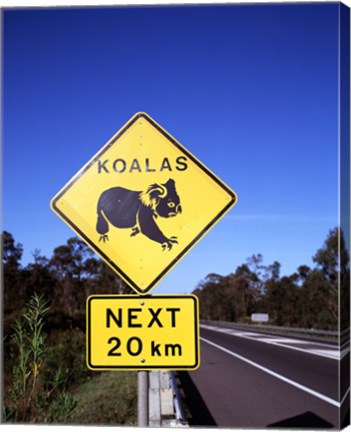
(38,278)
(332,261)
(287,302)
(344,284)
(236,297)
(273,298)
(69,260)
(209,293)
(72,265)
(12,253)
(328,257)
(107,281)
(248,286)
(316,305)
(12,273)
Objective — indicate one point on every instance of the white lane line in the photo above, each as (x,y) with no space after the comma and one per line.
(290,341)
(327,353)
(276,375)
(332,354)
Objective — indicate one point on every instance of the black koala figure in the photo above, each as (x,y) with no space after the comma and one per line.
(124,208)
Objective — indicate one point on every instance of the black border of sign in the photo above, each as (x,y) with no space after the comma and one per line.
(187,248)
(135,297)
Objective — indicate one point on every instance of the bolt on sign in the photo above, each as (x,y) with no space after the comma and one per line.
(142,202)
(143,333)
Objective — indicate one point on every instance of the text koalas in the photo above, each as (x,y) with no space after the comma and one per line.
(138,165)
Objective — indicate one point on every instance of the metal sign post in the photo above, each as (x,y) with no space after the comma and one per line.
(143,398)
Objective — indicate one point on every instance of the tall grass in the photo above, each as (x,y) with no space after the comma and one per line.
(29,341)
(29,400)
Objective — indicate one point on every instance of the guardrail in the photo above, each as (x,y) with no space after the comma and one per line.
(179,413)
(165,404)
(311,331)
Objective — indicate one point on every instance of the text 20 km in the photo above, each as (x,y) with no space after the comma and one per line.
(134,346)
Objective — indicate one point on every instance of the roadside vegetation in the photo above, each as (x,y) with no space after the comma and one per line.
(45,377)
(306,299)
(109,398)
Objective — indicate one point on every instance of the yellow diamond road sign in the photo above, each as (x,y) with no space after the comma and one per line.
(133,332)
(142,202)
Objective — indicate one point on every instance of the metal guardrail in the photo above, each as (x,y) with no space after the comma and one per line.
(165,408)
(311,331)
(177,401)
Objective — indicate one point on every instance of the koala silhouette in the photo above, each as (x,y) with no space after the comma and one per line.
(125,208)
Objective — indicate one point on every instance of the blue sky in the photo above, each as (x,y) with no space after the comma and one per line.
(250,90)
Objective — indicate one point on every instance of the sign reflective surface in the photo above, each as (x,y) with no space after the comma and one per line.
(142,202)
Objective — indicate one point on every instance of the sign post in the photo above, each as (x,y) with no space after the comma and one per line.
(142,203)
(143,400)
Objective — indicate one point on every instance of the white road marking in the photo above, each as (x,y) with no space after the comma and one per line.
(332,354)
(282,342)
(290,341)
(276,375)
(327,353)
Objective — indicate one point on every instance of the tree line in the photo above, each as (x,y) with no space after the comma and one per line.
(309,298)
(65,280)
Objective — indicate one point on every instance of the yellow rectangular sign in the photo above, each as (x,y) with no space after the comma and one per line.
(143,333)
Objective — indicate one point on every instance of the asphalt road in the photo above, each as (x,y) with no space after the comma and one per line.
(253,380)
